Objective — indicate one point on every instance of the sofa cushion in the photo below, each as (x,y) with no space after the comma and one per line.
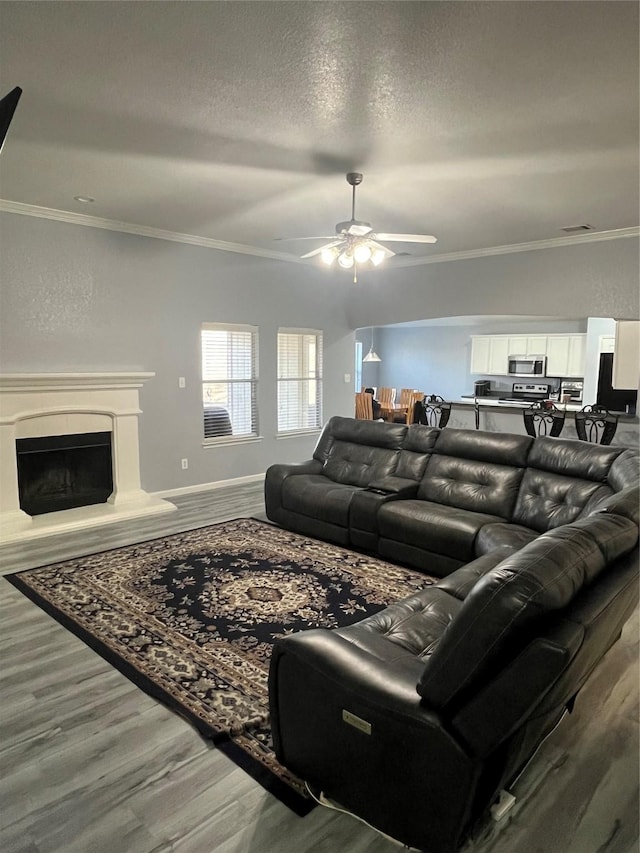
(495,620)
(318,497)
(368,433)
(359,464)
(416,450)
(499,447)
(625,503)
(460,582)
(503,534)
(547,500)
(414,625)
(625,470)
(469,484)
(432,527)
(573,458)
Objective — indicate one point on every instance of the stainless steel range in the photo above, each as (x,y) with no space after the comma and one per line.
(526,392)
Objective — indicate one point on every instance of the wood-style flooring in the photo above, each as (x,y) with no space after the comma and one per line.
(91,764)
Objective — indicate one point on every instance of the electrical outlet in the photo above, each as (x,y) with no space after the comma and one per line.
(182,382)
(184,463)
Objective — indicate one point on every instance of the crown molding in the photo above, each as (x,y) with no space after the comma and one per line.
(140,230)
(239,248)
(551,243)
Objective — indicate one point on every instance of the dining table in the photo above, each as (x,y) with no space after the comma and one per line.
(389,410)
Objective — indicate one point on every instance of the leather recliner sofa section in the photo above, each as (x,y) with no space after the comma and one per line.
(416,717)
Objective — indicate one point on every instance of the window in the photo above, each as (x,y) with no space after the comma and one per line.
(229,380)
(299,379)
(358,368)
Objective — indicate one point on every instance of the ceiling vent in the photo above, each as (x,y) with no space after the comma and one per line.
(571,229)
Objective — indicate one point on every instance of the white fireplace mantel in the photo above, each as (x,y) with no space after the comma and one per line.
(39,404)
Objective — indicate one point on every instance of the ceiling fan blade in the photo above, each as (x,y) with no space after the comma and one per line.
(355,229)
(321,237)
(322,248)
(388,252)
(407,238)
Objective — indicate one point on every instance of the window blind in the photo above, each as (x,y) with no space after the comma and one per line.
(299,379)
(229,379)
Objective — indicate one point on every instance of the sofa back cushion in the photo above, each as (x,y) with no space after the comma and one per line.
(359,464)
(625,470)
(357,452)
(564,480)
(417,448)
(369,433)
(476,471)
(509,604)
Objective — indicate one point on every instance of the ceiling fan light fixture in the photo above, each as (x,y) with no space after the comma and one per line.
(377,257)
(362,253)
(345,259)
(328,256)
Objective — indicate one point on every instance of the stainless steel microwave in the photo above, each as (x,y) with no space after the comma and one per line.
(527,365)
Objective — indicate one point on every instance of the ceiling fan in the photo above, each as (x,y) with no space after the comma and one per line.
(355,242)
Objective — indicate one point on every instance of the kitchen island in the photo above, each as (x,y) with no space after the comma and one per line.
(499,416)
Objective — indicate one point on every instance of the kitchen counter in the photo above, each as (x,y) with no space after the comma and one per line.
(512,404)
(495,416)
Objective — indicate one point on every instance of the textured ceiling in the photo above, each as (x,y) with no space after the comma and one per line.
(484,123)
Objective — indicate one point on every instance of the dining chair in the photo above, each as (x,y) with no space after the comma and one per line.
(543,421)
(411,415)
(364,406)
(596,424)
(387,396)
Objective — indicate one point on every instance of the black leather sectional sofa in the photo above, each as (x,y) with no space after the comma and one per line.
(414,719)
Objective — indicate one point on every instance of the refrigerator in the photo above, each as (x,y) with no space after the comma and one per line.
(613,399)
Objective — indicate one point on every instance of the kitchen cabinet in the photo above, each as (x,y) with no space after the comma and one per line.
(565,353)
(527,345)
(490,355)
(566,356)
(626,356)
(498,355)
(480,354)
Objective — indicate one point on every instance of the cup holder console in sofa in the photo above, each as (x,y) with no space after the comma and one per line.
(415,718)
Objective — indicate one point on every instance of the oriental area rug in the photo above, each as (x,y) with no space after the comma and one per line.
(191,619)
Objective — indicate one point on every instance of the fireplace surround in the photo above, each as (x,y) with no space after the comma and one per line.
(35,406)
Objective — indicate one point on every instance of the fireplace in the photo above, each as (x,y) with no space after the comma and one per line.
(69,453)
(60,472)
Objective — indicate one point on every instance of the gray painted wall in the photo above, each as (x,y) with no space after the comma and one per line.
(574,280)
(82,299)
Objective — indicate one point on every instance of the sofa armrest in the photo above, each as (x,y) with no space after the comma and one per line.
(275,477)
(512,695)
(352,725)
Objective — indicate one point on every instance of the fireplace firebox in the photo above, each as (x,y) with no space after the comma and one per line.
(64,471)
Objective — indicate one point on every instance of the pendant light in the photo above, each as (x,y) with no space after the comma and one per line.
(371,355)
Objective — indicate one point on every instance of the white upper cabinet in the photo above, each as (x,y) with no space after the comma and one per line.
(577,354)
(626,357)
(480,346)
(536,344)
(566,356)
(565,353)
(498,355)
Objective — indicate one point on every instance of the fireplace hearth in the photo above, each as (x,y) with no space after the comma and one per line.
(61,472)
(84,426)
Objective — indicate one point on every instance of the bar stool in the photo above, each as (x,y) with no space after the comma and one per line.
(596,424)
(538,421)
(435,411)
